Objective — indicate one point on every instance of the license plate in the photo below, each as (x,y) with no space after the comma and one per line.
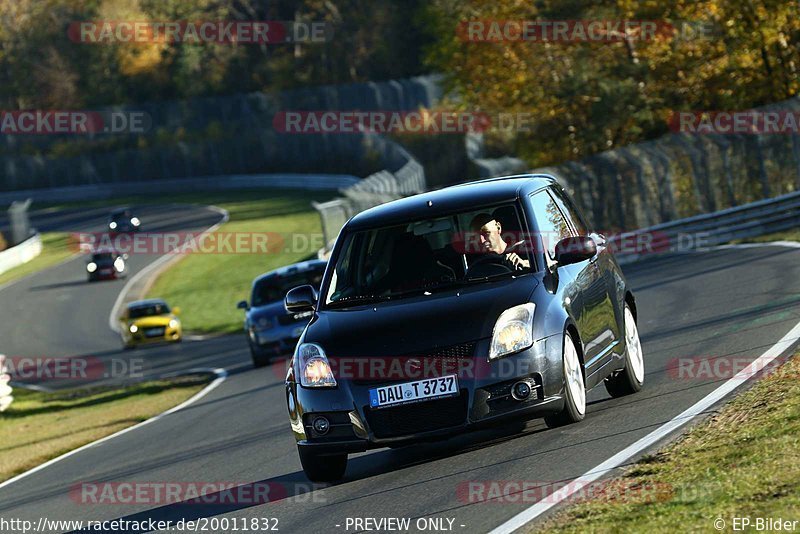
(419,390)
(154,332)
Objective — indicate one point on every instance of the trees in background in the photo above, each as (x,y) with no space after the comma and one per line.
(587,97)
(584,97)
(40,67)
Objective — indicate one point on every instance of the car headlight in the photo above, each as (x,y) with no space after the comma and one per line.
(119,265)
(173,323)
(264,323)
(513,331)
(112,225)
(134,329)
(315,371)
(91,267)
(135,221)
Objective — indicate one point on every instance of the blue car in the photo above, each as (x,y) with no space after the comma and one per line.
(271,330)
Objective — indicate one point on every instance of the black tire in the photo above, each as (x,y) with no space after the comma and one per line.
(625,382)
(322,468)
(258,360)
(571,413)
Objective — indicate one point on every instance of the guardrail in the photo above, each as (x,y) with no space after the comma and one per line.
(377,188)
(22,253)
(204,183)
(710,229)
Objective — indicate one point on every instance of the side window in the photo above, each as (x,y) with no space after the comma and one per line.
(570,211)
(551,223)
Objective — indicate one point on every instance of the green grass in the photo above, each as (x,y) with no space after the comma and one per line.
(40,426)
(56,248)
(207,286)
(745,461)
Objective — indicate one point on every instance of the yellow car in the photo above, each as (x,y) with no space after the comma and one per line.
(149,321)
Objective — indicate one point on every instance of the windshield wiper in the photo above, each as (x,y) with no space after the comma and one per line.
(356,299)
(430,289)
(491,277)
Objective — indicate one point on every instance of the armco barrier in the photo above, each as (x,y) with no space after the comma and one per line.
(375,189)
(204,183)
(22,253)
(710,229)
(692,233)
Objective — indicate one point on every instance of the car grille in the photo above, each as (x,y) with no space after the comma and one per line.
(419,417)
(446,358)
(154,331)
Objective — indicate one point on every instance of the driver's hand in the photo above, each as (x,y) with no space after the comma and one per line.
(518,263)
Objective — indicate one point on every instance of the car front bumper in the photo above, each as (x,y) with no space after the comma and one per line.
(483,399)
(169,335)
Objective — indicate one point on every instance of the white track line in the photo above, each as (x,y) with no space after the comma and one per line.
(576,485)
(112,317)
(222,374)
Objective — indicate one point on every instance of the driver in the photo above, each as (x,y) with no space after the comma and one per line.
(489,231)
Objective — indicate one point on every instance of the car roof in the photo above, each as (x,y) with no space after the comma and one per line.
(145,302)
(470,195)
(301,267)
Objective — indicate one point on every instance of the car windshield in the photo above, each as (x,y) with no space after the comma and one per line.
(148,310)
(441,253)
(274,288)
(122,216)
(104,258)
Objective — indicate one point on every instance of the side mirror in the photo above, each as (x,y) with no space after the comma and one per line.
(575,249)
(242,305)
(301,299)
(176,310)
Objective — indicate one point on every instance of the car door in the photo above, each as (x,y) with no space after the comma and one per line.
(585,288)
(601,286)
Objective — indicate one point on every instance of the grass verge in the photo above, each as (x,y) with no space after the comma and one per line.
(743,462)
(55,249)
(40,426)
(788,235)
(208,286)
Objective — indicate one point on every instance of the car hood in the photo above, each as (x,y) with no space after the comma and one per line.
(418,323)
(156,320)
(268,310)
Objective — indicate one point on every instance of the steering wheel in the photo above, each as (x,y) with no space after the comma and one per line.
(488,265)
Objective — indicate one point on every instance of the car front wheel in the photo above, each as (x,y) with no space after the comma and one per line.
(258,360)
(574,388)
(631,378)
(323,468)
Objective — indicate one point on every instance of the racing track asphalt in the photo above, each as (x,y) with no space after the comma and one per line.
(722,303)
(57,313)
